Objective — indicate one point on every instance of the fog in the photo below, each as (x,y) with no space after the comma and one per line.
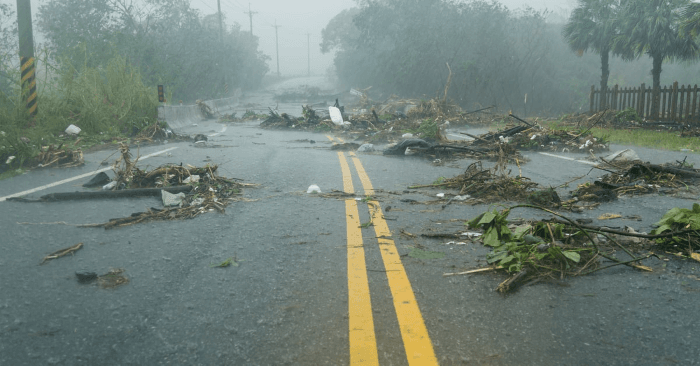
(296,19)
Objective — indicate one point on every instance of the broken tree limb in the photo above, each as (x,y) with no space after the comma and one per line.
(124,193)
(520,119)
(475,137)
(479,270)
(479,110)
(624,233)
(62,252)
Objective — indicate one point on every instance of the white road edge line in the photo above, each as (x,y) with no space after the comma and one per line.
(220,132)
(568,158)
(2,199)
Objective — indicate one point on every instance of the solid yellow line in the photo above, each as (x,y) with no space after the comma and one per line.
(329,137)
(416,340)
(363,342)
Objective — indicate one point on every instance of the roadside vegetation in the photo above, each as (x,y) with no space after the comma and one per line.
(102,75)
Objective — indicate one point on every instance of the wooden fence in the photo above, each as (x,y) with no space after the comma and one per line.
(678,104)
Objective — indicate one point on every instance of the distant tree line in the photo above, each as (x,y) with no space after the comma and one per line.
(169,42)
(515,60)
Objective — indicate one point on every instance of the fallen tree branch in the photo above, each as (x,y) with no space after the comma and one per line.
(137,192)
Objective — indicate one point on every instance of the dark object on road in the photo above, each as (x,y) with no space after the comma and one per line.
(124,193)
(545,198)
(200,137)
(113,278)
(98,180)
(205,109)
(85,276)
(400,148)
(345,147)
(62,252)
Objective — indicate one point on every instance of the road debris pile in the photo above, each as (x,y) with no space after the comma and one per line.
(309,120)
(204,109)
(59,157)
(558,247)
(491,185)
(684,227)
(205,190)
(636,178)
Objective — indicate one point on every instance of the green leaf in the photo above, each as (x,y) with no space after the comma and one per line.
(495,257)
(487,218)
(572,255)
(491,238)
(661,229)
(520,231)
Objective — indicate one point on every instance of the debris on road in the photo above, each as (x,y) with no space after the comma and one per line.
(60,253)
(113,278)
(347,146)
(230,261)
(58,156)
(85,276)
(100,179)
(313,189)
(681,227)
(486,185)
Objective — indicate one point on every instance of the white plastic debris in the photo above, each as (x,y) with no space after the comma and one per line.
(622,155)
(365,148)
(534,136)
(336,116)
(313,189)
(191,179)
(462,198)
(109,185)
(440,195)
(471,234)
(197,201)
(170,199)
(73,130)
(10,159)
(407,135)
(455,243)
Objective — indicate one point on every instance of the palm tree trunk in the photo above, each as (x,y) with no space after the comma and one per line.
(656,77)
(605,68)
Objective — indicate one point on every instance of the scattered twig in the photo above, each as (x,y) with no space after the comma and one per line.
(62,252)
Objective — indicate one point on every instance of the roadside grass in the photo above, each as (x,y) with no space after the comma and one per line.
(667,140)
(108,104)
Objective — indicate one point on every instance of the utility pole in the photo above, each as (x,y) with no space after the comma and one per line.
(308,52)
(221,27)
(250,14)
(26,55)
(277,48)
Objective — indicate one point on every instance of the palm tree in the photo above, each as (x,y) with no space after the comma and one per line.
(593,24)
(652,27)
(690,25)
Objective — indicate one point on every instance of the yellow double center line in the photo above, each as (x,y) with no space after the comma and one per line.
(363,344)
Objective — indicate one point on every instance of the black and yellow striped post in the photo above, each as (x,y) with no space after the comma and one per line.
(26,55)
(29,84)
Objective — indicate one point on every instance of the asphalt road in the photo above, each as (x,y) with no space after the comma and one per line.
(311,287)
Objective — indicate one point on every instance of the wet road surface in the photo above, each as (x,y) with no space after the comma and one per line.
(312,286)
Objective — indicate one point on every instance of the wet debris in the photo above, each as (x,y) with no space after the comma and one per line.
(636,178)
(85,276)
(63,252)
(59,157)
(554,249)
(482,185)
(114,278)
(204,109)
(99,180)
(202,188)
(347,146)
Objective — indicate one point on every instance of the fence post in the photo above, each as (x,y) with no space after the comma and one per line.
(693,112)
(591,97)
(613,102)
(673,99)
(640,102)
